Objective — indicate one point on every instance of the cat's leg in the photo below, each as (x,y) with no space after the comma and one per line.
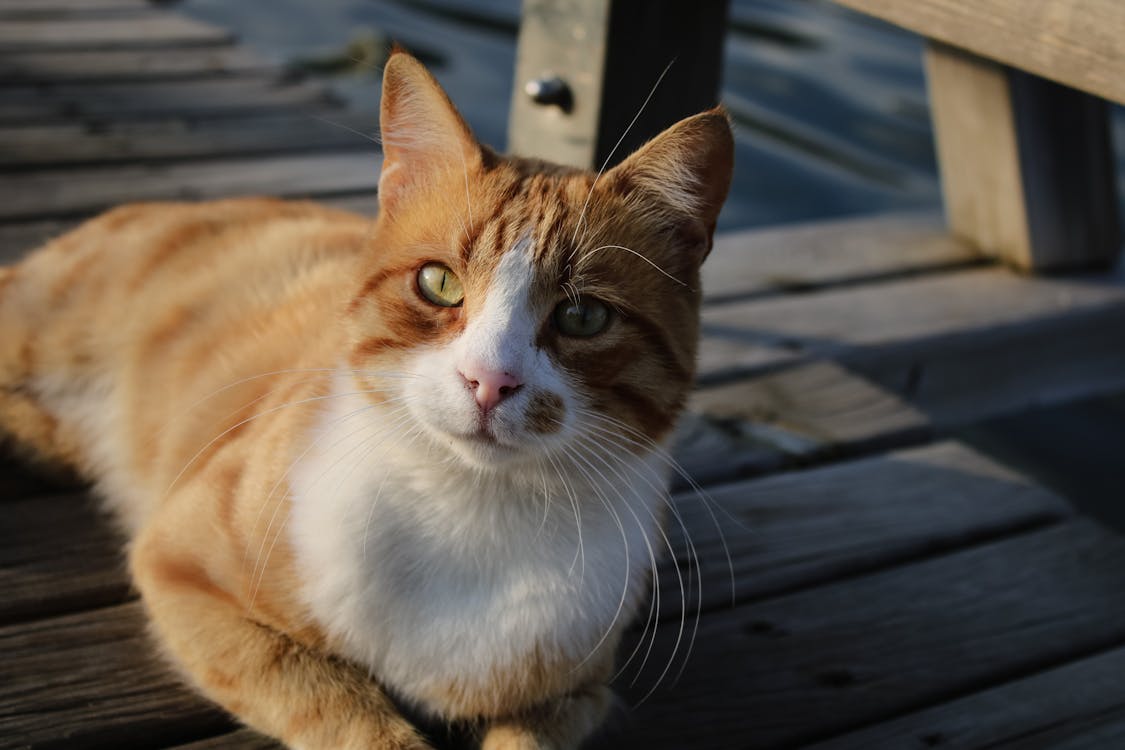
(562,724)
(304,697)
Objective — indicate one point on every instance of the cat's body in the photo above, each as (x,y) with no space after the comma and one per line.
(341,476)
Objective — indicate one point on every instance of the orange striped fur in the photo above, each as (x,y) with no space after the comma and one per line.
(182,356)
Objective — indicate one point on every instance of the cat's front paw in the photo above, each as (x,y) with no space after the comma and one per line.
(513,738)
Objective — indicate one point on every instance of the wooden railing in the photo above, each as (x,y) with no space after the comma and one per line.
(1022,132)
(1017,93)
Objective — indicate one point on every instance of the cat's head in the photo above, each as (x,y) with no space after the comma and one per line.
(533,307)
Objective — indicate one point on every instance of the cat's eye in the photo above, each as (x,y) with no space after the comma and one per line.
(440,285)
(583,317)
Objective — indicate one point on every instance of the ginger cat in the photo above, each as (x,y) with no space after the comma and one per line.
(410,461)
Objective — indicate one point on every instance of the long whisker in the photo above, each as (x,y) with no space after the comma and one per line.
(646,443)
(251,418)
(580,553)
(656,593)
(625,541)
(261,563)
(585,205)
(694,564)
(634,252)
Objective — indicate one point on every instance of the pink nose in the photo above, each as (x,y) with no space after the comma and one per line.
(490,387)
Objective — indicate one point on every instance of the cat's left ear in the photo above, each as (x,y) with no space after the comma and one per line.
(687,168)
(425,140)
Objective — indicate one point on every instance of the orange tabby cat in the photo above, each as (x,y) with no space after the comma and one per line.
(411,457)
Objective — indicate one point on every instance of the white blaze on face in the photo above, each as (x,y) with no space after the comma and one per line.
(499,337)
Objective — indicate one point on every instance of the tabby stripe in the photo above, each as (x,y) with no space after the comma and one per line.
(371,346)
(656,338)
(653,418)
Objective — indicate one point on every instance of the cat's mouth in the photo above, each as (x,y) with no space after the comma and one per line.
(482,446)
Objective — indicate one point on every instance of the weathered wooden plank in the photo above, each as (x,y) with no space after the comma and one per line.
(1074,42)
(152,29)
(1078,705)
(129,65)
(57,556)
(14,8)
(160,99)
(90,680)
(69,144)
(610,54)
(806,257)
(804,414)
(916,317)
(800,529)
(361,203)
(782,533)
(18,239)
(74,192)
(810,665)
(820,409)
(242,739)
(1026,164)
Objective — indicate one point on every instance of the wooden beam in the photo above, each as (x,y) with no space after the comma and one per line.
(605,57)
(1074,42)
(1026,164)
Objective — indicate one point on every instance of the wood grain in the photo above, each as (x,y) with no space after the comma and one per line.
(90,680)
(1077,705)
(63,8)
(232,97)
(1026,164)
(810,256)
(63,192)
(957,347)
(1074,42)
(129,65)
(800,529)
(63,144)
(152,29)
(18,239)
(611,55)
(795,669)
(822,407)
(57,555)
(242,739)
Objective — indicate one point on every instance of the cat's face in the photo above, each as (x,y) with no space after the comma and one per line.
(526,307)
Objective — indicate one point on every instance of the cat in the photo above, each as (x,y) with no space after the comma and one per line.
(362,463)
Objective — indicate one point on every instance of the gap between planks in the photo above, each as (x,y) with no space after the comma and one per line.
(1073,706)
(152,29)
(822,661)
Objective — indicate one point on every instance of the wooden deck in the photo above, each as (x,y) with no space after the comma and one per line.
(892,589)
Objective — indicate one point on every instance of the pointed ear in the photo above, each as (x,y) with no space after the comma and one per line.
(424,138)
(688,169)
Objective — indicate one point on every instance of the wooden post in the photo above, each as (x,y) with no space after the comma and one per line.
(585,67)
(1026,164)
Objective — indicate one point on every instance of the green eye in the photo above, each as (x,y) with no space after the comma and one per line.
(585,317)
(439,285)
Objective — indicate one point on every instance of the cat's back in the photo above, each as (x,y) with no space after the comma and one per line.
(129,320)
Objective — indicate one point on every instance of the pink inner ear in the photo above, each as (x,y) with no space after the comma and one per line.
(688,167)
(424,137)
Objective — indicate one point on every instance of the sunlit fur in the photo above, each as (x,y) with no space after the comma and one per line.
(320,514)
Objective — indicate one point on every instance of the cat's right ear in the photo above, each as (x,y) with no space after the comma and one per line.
(425,140)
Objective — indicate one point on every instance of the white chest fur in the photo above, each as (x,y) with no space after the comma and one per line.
(428,571)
